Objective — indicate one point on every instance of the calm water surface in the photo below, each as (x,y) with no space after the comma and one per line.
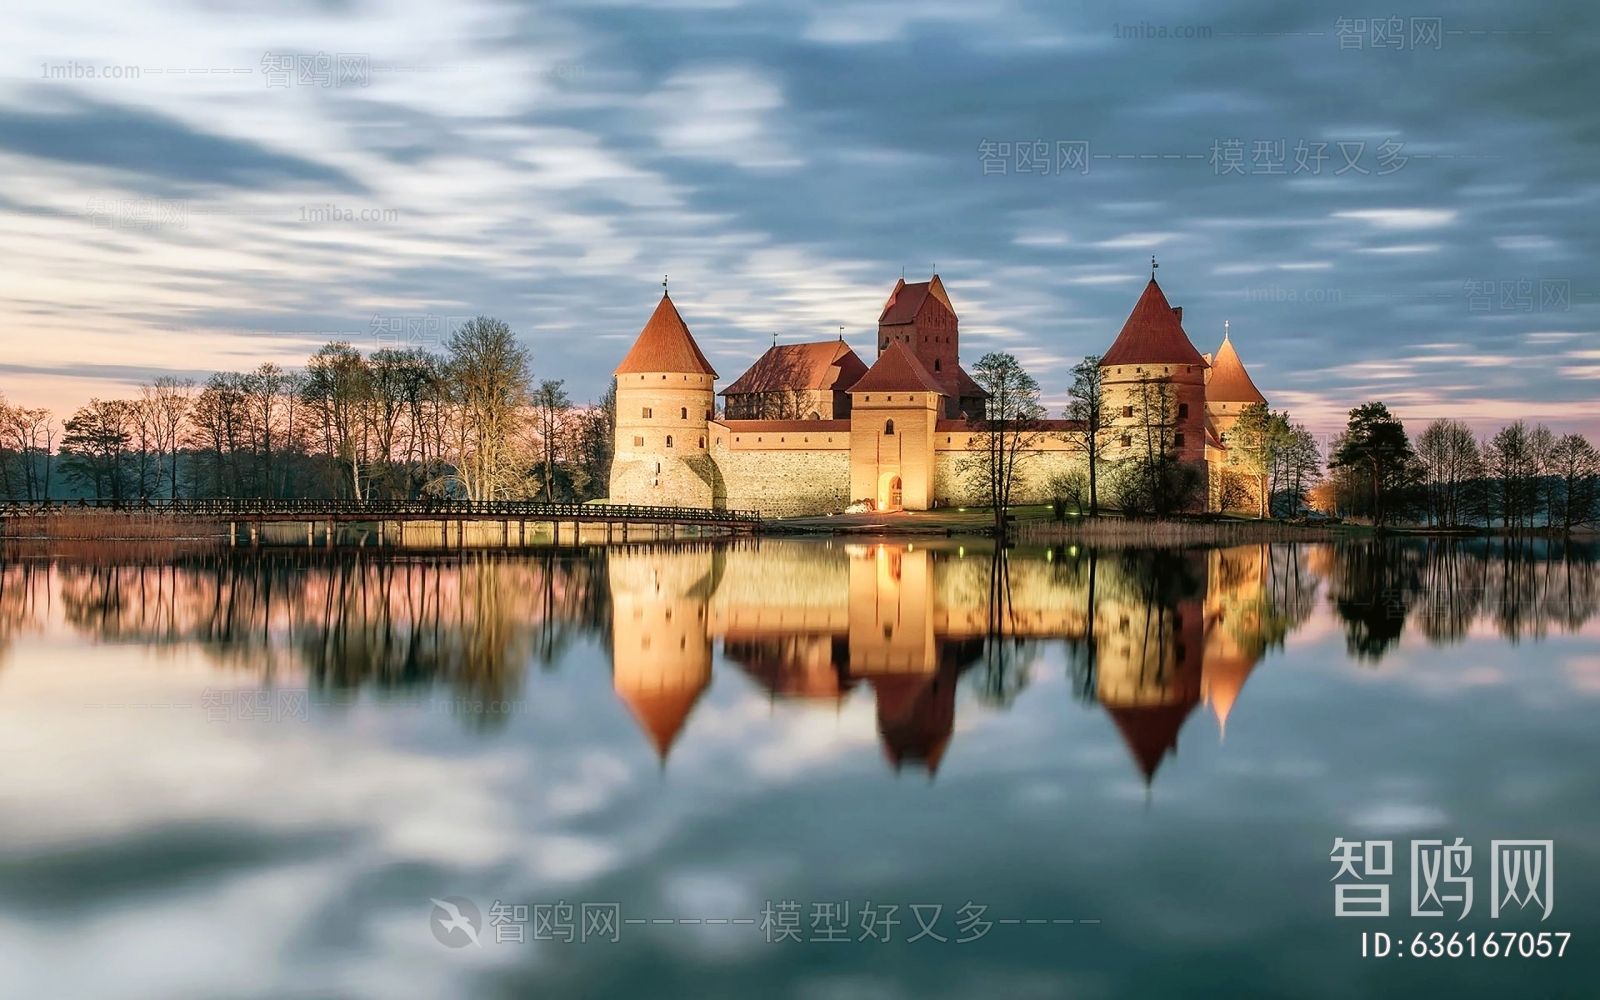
(1093,773)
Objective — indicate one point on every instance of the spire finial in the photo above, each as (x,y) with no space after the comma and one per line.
(663,286)
(774,338)
(841,331)
(1224,331)
(1153,266)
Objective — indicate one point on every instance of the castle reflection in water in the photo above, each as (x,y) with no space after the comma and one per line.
(1150,635)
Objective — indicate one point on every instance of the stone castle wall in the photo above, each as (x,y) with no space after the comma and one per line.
(782,482)
(954,486)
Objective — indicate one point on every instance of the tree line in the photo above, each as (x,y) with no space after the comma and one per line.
(470,422)
(1520,479)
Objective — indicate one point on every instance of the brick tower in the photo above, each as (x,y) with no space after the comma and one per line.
(1155,385)
(920,316)
(665,397)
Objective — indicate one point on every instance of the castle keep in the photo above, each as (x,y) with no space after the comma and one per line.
(811,428)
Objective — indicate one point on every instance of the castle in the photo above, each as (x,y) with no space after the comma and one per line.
(905,623)
(810,428)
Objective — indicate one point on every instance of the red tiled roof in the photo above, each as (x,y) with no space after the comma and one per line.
(825,364)
(962,425)
(916,715)
(1151,732)
(774,426)
(1152,335)
(897,370)
(662,713)
(1229,382)
(790,665)
(665,345)
(906,301)
(968,387)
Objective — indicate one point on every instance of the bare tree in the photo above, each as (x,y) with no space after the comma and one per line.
(1575,467)
(264,391)
(489,374)
(1450,455)
(169,400)
(1088,409)
(551,412)
(338,390)
(1009,428)
(27,438)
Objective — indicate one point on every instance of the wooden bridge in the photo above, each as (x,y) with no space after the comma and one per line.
(387,523)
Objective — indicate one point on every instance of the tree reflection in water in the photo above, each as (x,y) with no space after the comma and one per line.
(1149,634)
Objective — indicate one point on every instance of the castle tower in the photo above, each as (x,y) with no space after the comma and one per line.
(665,399)
(1149,649)
(1228,389)
(1155,384)
(894,410)
(1235,640)
(920,316)
(660,647)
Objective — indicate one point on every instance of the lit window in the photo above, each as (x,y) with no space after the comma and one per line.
(647,413)
(1127,411)
(638,442)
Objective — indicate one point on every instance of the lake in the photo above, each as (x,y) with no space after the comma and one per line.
(807,769)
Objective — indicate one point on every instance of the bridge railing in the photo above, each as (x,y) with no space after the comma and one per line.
(248,508)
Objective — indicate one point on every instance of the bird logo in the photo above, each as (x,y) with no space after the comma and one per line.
(455,922)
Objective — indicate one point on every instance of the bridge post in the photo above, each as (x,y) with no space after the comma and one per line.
(522,534)
(505,533)
(555,533)
(330,533)
(381,525)
(311,528)
(233,534)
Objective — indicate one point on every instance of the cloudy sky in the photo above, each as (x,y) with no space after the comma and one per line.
(1379,213)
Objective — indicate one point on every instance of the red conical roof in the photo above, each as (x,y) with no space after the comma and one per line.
(897,370)
(1152,335)
(1151,732)
(665,345)
(1229,382)
(662,712)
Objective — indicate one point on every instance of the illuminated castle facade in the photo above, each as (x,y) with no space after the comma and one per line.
(902,624)
(811,428)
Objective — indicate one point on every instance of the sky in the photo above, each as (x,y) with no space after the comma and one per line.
(1402,212)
